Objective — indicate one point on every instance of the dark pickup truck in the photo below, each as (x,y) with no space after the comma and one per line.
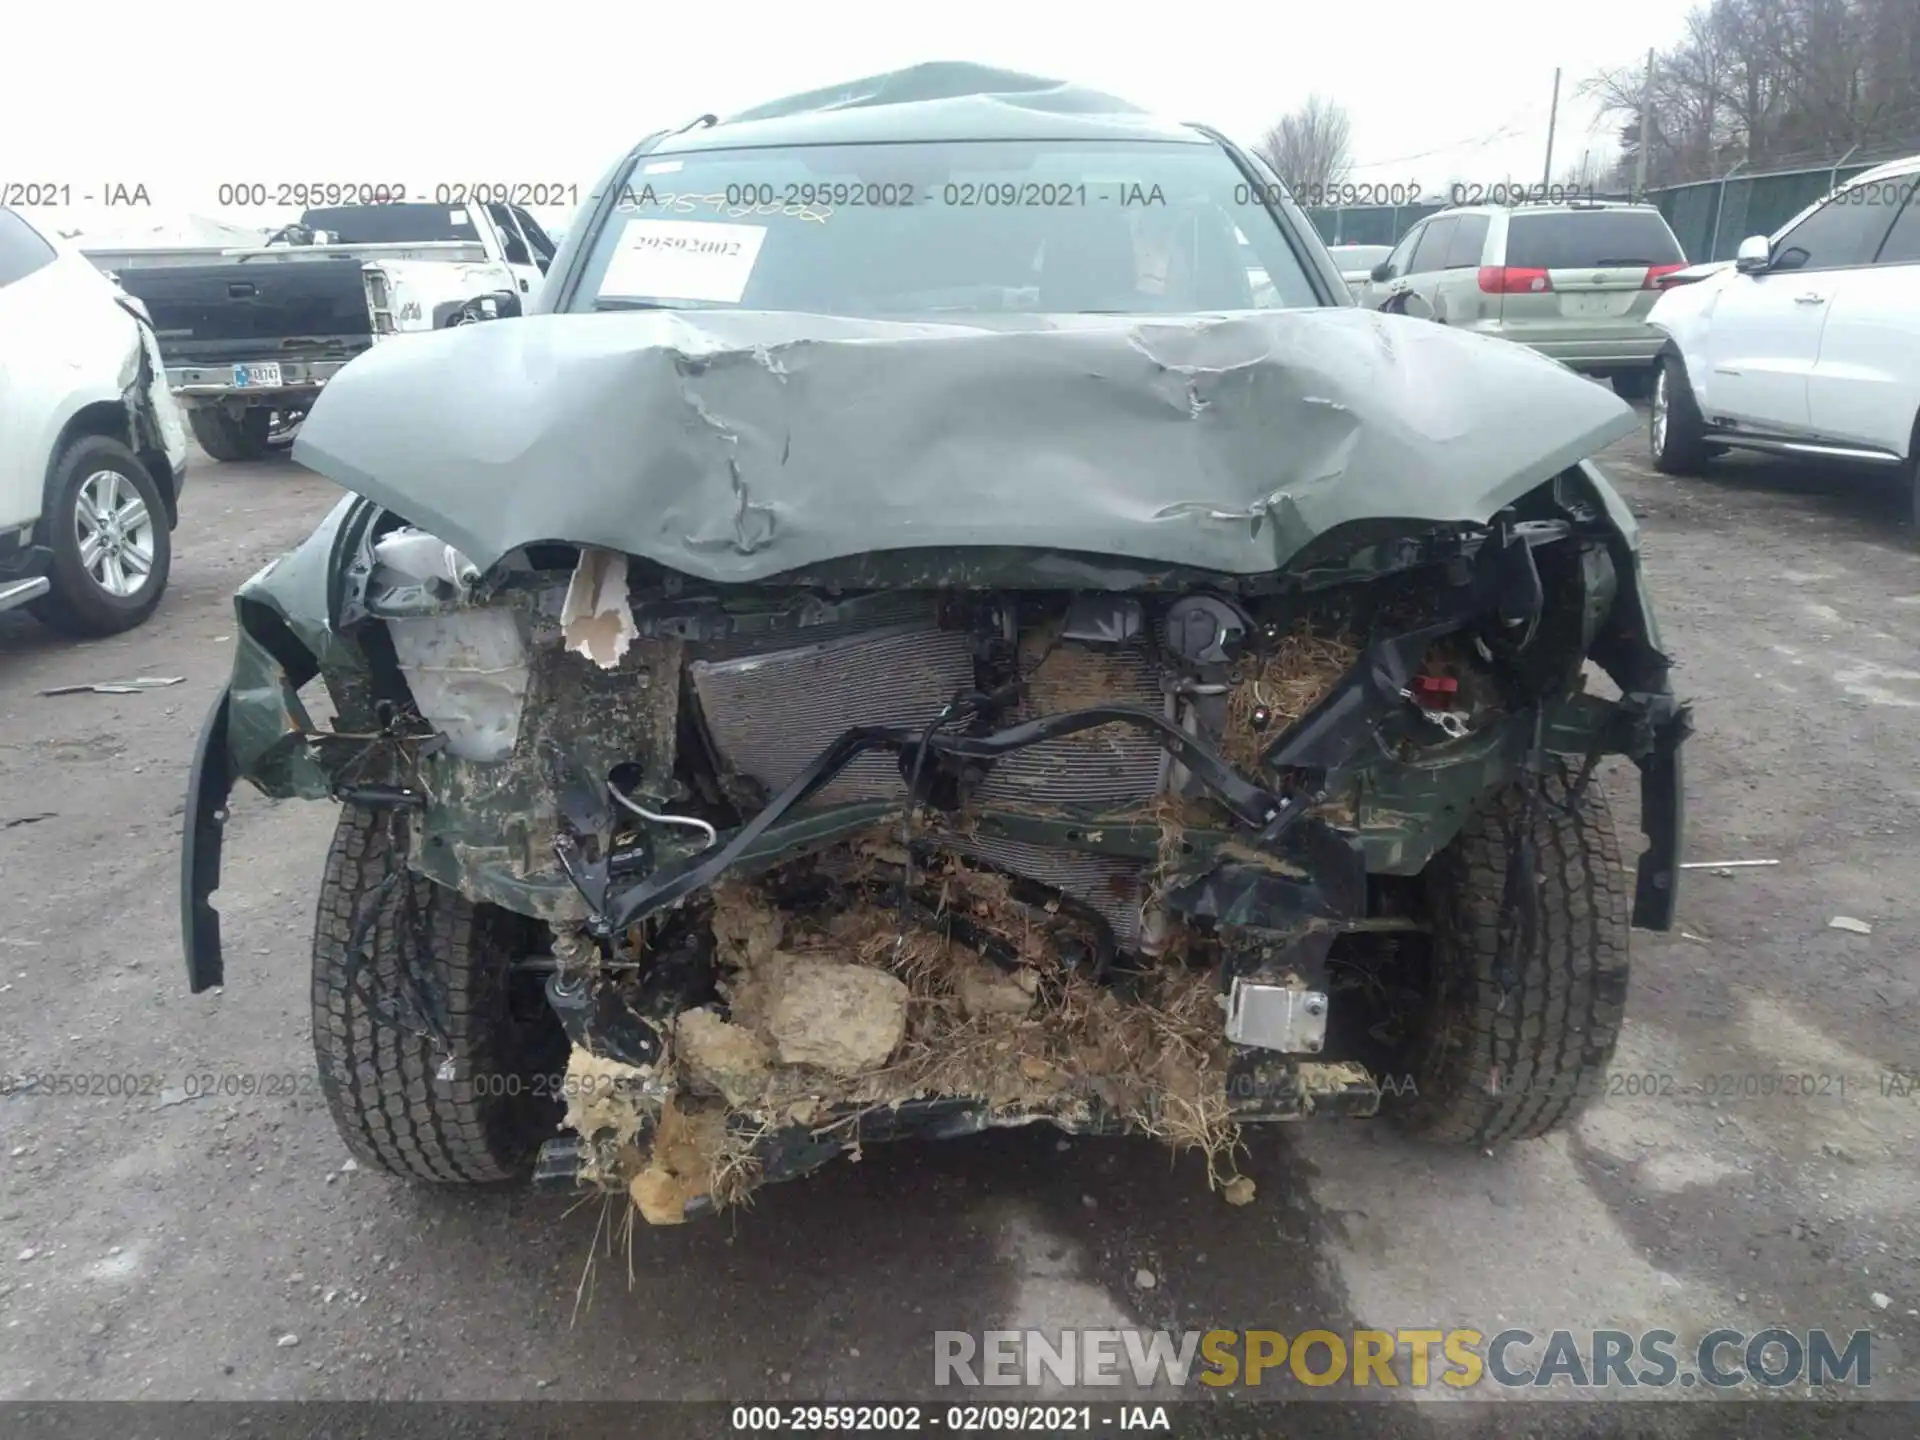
(255,338)
(251,336)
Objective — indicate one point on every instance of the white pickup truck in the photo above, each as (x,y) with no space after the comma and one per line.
(250,336)
(1808,344)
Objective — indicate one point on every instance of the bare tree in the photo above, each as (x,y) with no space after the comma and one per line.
(1756,43)
(1597,169)
(1311,148)
(1772,84)
(1689,135)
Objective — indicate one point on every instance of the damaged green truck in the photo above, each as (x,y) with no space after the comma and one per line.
(901,642)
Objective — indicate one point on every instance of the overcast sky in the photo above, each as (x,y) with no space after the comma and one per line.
(184,99)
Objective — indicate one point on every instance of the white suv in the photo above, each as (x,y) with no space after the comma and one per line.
(1809,344)
(93,448)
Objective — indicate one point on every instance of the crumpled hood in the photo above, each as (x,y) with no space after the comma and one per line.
(734,446)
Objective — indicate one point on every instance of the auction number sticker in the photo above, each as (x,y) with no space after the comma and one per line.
(684,260)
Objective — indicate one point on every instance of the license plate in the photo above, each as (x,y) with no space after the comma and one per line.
(256,376)
(1591,306)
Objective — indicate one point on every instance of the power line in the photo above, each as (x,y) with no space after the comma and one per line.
(1506,132)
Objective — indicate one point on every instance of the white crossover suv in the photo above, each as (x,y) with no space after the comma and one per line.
(1808,344)
(93,447)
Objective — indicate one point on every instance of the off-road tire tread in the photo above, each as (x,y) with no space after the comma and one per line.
(378,1076)
(1551,1042)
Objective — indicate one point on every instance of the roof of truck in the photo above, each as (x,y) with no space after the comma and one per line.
(940,100)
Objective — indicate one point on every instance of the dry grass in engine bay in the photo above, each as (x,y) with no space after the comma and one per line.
(1288,680)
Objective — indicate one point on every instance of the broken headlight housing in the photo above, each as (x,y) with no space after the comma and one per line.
(466,665)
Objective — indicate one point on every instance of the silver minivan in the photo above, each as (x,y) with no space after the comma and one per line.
(1573,281)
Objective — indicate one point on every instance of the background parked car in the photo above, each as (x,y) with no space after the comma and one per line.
(1575,281)
(93,448)
(1356,262)
(1809,344)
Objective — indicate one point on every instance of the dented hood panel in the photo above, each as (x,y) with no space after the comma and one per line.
(734,446)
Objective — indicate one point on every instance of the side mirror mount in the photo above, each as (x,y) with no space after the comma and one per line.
(1753,256)
(1382,271)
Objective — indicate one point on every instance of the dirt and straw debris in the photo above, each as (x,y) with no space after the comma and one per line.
(829,1016)
(832,1016)
(1278,685)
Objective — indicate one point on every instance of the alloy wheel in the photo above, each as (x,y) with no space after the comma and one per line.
(1660,411)
(115,533)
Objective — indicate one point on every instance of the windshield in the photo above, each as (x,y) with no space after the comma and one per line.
(393,224)
(976,227)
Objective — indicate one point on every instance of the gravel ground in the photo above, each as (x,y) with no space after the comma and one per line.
(157,1247)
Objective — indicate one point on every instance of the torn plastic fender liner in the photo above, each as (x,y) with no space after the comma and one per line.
(209,784)
(267,746)
(289,616)
(1653,723)
(257,729)
(1663,809)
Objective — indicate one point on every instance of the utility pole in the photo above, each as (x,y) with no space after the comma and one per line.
(1546,178)
(1646,131)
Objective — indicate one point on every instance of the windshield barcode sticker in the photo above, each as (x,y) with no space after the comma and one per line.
(683,260)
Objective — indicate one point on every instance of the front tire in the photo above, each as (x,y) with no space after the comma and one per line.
(430,959)
(1494,1064)
(229,439)
(1676,433)
(112,549)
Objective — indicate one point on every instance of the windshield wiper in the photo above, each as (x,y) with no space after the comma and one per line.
(1630,260)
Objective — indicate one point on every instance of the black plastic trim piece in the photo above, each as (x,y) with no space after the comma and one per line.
(201,836)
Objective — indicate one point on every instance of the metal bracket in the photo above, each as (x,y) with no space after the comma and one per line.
(1276,1017)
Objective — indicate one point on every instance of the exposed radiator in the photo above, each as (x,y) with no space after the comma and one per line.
(1108,768)
(771,713)
(1115,888)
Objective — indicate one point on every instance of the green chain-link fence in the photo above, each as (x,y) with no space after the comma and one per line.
(1369,224)
(1710,217)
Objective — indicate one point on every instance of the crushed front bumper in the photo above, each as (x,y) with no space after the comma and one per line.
(290,631)
(1291,1091)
